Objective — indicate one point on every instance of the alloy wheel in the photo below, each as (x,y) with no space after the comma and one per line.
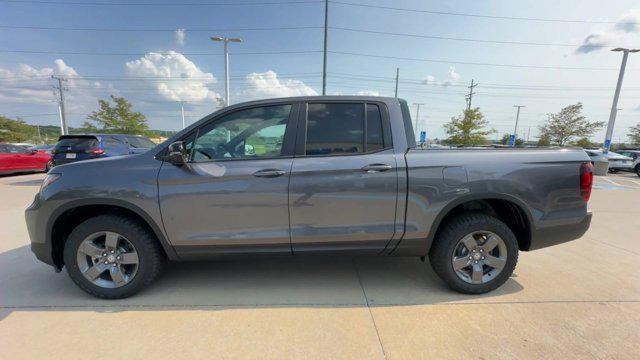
(479,257)
(107,259)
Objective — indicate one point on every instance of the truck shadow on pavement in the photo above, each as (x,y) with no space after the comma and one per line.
(319,281)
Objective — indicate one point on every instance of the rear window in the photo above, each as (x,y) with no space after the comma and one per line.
(81,142)
(140,142)
(335,129)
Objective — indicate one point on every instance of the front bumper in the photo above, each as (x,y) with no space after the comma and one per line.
(554,235)
(36,226)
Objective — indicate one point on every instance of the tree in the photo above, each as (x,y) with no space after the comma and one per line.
(505,140)
(15,130)
(634,135)
(568,124)
(117,118)
(584,143)
(466,130)
(544,141)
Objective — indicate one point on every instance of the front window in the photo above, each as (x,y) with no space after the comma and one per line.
(245,134)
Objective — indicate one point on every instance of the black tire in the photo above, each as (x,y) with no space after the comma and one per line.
(150,254)
(48,166)
(613,171)
(638,170)
(447,238)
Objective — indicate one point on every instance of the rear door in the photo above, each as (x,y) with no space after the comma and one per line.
(231,197)
(344,181)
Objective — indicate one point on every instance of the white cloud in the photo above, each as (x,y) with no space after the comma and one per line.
(453,77)
(27,84)
(267,85)
(368,93)
(622,33)
(174,76)
(180,35)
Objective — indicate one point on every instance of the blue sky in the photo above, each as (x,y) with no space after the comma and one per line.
(149,65)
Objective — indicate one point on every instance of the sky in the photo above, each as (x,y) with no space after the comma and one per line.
(529,53)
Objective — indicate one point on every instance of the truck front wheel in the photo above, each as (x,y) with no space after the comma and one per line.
(474,253)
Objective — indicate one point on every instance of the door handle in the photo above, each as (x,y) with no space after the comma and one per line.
(372,168)
(269,173)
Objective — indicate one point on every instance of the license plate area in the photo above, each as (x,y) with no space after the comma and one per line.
(70,156)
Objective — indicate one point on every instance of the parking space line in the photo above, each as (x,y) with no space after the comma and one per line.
(611,181)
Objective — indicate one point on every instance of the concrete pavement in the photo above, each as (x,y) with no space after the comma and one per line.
(580,299)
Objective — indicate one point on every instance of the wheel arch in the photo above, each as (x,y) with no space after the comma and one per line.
(508,209)
(61,223)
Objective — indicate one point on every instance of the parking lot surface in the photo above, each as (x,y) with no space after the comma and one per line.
(579,300)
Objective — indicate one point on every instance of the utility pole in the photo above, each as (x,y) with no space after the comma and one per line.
(528,133)
(614,107)
(182,111)
(417,116)
(39,135)
(226,63)
(324,56)
(397,77)
(470,95)
(61,89)
(515,129)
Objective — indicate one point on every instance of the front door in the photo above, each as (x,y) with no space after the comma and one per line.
(231,197)
(344,181)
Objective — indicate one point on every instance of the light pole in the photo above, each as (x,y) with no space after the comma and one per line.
(182,112)
(417,114)
(614,107)
(226,63)
(515,129)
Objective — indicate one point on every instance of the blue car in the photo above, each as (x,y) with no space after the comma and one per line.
(72,148)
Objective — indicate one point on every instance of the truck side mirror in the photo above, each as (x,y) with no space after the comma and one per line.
(177,153)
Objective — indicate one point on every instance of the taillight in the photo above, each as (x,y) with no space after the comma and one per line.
(586,180)
(96,151)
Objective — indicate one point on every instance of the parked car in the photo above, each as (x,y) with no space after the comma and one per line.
(635,157)
(72,148)
(324,175)
(47,148)
(16,159)
(617,162)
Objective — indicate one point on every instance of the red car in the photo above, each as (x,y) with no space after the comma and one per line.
(15,159)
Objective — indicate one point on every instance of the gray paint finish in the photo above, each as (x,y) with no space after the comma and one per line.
(325,203)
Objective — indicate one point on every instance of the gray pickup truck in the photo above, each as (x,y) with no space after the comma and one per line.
(307,175)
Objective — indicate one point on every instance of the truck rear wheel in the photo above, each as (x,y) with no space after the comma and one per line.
(474,253)
(112,256)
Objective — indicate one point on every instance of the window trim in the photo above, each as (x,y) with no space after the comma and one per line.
(287,144)
(301,139)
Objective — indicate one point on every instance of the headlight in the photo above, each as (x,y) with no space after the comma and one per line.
(49,179)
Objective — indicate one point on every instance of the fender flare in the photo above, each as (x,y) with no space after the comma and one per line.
(157,230)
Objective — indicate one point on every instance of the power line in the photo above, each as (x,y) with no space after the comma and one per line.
(158,52)
(465,39)
(496,17)
(53,28)
(473,63)
(92,3)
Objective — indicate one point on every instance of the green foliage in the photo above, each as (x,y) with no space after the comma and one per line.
(466,130)
(584,143)
(544,141)
(505,140)
(118,118)
(16,130)
(634,135)
(567,124)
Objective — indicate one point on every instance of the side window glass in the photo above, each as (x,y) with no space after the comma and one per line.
(375,139)
(245,134)
(111,142)
(335,129)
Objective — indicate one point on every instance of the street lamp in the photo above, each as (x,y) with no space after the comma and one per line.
(226,63)
(417,115)
(614,107)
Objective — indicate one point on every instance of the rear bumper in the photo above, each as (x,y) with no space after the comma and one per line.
(555,235)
